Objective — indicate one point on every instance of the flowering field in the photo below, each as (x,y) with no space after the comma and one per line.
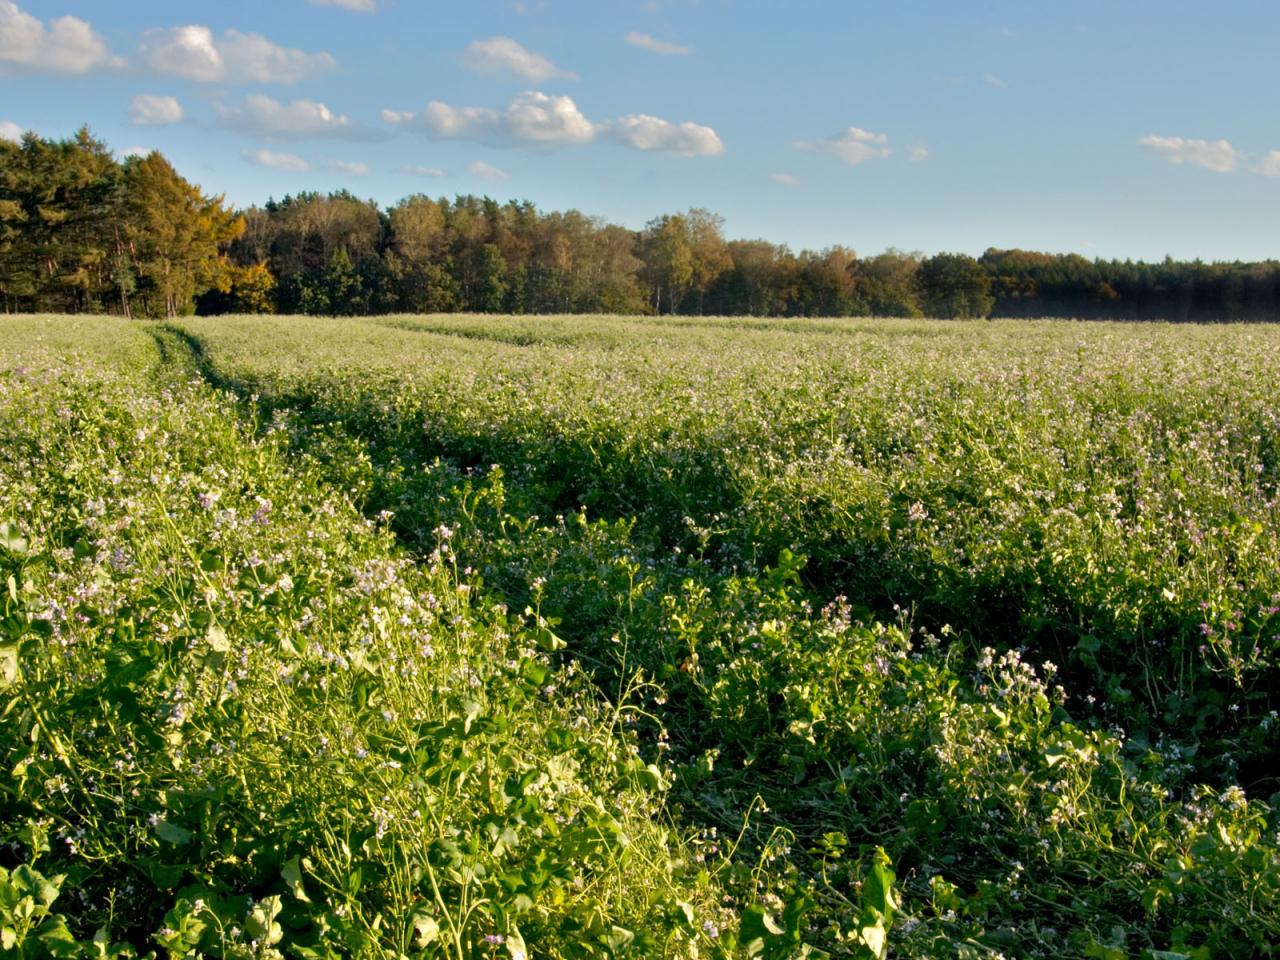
(604,637)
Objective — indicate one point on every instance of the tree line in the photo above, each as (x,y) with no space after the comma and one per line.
(83,232)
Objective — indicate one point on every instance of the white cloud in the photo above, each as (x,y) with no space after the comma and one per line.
(1270,165)
(188,52)
(991,80)
(278,161)
(192,52)
(786,179)
(854,146)
(1219,155)
(11,131)
(917,153)
(536,119)
(67,45)
(418,171)
(644,132)
(661,47)
(485,171)
(352,168)
(128,152)
(530,118)
(360,6)
(498,54)
(149,110)
(263,116)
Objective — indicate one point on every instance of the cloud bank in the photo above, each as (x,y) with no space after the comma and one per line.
(487,171)
(504,55)
(853,146)
(194,53)
(277,161)
(301,119)
(1218,155)
(537,119)
(149,110)
(662,48)
(67,45)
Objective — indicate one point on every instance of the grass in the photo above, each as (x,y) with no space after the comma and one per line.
(568,637)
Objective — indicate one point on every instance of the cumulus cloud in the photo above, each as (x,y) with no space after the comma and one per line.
(1269,166)
(1218,155)
(149,110)
(530,118)
(662,48)
(278,161)
(128,152)
(917,153)
(536,119)
(853,147)
(11,131)
(194,53)
(504,55)
(67,45)
(786,179)
(485,171)
(419,171)
(303,119)
(353,168)
(644,132)
(360,6)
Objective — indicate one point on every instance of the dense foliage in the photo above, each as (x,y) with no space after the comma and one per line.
(80,232)
(470,637)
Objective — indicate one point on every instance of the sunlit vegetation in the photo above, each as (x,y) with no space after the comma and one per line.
(600,637)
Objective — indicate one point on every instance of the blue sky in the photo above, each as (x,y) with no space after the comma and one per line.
(1127,128)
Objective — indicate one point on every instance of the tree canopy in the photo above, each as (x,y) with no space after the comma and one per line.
(81,231)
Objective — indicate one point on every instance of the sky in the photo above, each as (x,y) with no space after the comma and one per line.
(1111,128)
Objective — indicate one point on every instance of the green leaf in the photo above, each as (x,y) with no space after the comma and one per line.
(292,874)
(425,929)
(619,938)
(686,912)
(11,539)
(878,906)
(9,669)
(261,922)
(56,939)
(29,882)
(172,832)
(533,671)
(216,638)
(1099,951)
(759,929)
(650,777)
(471,711)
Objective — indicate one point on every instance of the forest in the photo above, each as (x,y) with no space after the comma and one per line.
(84,232)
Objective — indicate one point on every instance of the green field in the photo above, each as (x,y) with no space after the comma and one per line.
(604,637)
